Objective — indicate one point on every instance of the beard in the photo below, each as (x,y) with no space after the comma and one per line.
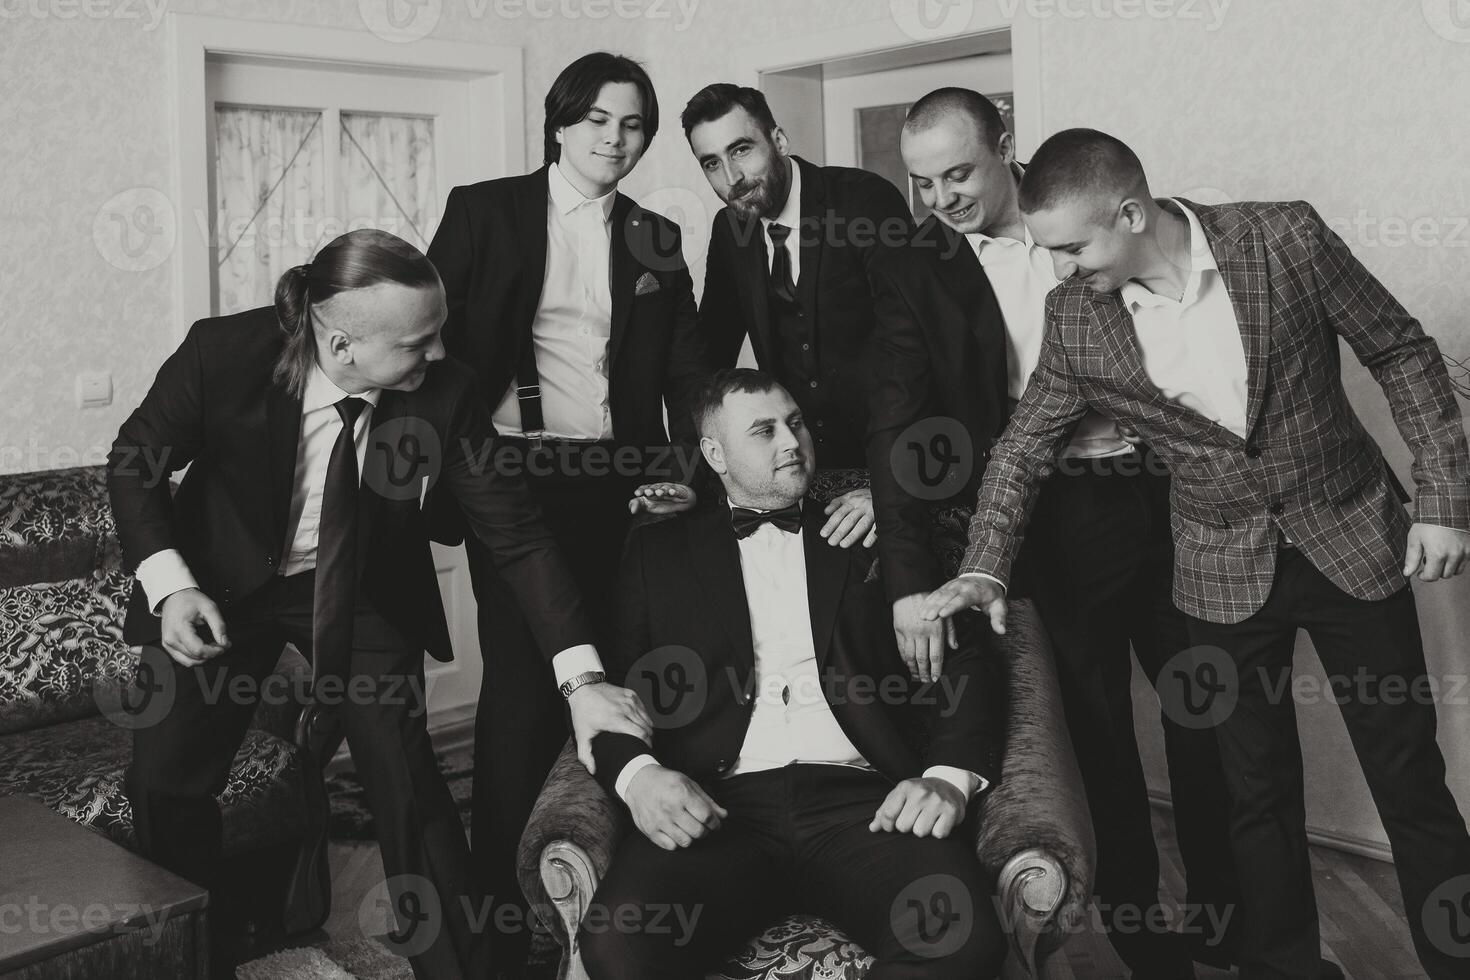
(763,196)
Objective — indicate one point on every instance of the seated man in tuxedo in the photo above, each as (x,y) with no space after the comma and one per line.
(783,778)
(312,431)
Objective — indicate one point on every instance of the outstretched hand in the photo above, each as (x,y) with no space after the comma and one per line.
(968,592)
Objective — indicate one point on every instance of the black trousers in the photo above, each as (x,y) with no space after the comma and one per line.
(796,840)
(1374,658)
(181,763)
(1101,556)
(522,722)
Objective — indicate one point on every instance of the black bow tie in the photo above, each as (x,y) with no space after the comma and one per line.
(746,521)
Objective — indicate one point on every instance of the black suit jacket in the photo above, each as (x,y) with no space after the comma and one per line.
(939,353)
(682,587)
(848,218)
(490,251)
(215,408)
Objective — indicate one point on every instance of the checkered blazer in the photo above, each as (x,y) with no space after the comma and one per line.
(1306,466)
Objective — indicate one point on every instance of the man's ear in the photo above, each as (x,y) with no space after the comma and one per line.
(1007,147)
(339,347)
(714,454)
(1132,214)
(778,139)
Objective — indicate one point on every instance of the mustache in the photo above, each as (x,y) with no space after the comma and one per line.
(744,187)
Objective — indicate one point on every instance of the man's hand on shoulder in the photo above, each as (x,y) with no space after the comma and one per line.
(662,498)
(850,519)
(192,628)
(1436,552)
(924,807)
(605,707)
(671,809)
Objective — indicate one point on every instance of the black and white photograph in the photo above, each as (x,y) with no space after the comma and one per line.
(734,490)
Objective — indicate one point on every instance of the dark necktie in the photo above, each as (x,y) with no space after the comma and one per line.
(746,521)
(782,283)
(336,551)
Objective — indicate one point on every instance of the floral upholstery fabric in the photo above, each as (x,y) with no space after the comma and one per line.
(77,770)
(800,947)
(56,525)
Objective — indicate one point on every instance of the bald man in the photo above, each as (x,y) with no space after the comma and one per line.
(963,315)
(1213,332)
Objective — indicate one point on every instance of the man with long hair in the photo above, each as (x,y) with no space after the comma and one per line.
(298,522)
(575,310)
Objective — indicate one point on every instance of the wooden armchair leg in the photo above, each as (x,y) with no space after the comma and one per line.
(309,894)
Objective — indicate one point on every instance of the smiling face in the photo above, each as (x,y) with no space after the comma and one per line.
(748,168)
(760,446)
(1090,241)
(382,336)
(964,179)
(604,145)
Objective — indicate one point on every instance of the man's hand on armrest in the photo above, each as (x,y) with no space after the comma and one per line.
(929,805)
(193,630)
(671,809)
(973,590)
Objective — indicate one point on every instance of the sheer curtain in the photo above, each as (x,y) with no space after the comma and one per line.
(386,175)
(270,199)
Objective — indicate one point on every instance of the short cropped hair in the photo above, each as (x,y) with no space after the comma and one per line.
(943,102)
(1079,163)
(575,90)
(714,101)
(712,393)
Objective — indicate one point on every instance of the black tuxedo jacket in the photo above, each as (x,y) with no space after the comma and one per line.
(682,587)
(490,251)
(214,408)
(939,353)
(848,218)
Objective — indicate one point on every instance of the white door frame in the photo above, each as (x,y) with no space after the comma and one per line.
(887,35)
(492,75)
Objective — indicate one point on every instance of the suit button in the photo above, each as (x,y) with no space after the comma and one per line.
(1278,508)
(269,560)
(1002,522)
(1253,451)
(723,766)
(814,384)
(806,346)
(819,423)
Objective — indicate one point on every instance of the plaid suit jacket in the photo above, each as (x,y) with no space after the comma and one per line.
(1306,464)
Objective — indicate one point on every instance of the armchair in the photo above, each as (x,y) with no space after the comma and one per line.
(1034,834)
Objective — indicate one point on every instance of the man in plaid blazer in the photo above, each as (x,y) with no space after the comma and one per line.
(1213,333)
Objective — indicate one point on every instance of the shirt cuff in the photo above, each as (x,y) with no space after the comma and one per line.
(163,573)
(575,660)
(965,781)
(984,576)
(635,765)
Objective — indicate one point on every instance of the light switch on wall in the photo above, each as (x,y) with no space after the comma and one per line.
(94,389)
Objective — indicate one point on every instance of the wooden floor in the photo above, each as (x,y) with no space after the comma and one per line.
(1363,924)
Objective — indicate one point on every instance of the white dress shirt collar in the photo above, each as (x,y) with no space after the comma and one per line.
(566,198)
(322,392)
(1201,260)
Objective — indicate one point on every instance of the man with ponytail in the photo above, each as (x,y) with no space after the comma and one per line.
(312,431)
(575,309)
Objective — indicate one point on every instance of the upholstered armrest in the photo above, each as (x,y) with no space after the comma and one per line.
(282,696)
(1035,834)
(568,844)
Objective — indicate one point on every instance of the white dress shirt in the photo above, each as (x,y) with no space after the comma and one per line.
(573,319)
(1192,349)
(1021,274)
(165,572)
(791,719)
(790,216)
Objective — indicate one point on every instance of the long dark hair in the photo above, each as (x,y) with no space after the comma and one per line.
(356,260)
(575,90)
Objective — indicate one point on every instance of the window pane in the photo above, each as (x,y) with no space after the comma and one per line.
(387,174)
(270,199)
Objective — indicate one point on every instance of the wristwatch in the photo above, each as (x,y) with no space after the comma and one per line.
(581,680)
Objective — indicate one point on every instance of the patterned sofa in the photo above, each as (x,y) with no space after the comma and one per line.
(1034,834)
(68,699)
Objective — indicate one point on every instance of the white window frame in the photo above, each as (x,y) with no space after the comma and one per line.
(492,76)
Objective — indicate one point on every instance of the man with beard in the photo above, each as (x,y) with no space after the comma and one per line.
(788,266)
(1215,332)
(575,309)
(962,315)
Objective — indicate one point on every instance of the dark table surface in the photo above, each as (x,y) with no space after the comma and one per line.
(63,886)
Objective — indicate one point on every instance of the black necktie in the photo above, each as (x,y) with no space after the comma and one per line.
(747,521)
(782,283)
(335,596)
